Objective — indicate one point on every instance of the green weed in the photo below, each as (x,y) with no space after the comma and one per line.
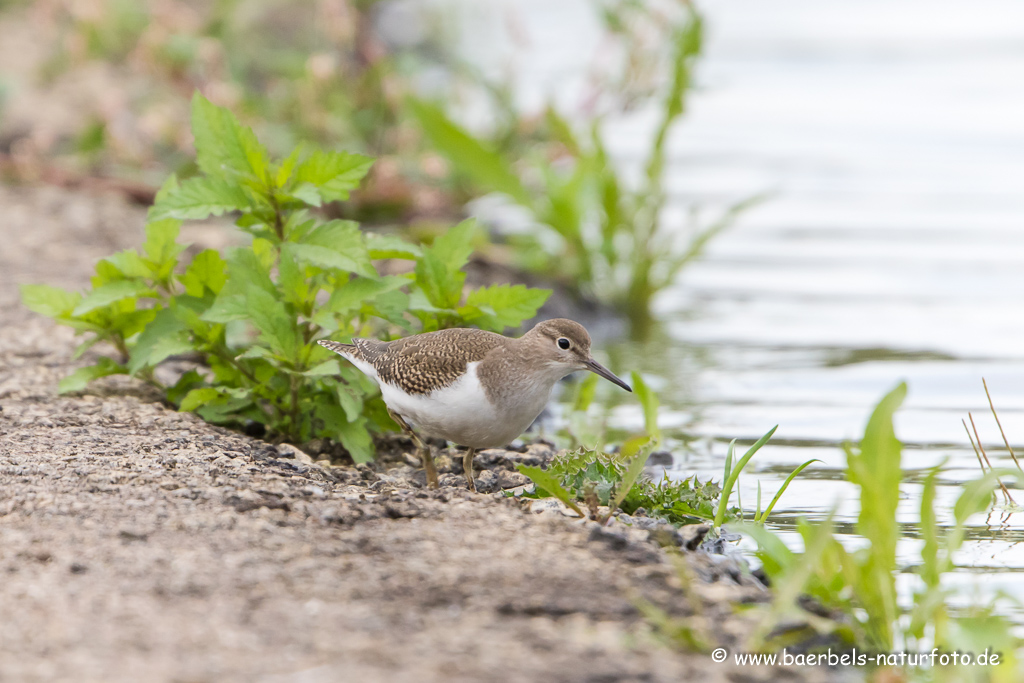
(860,585)
(613,243)
(254,315)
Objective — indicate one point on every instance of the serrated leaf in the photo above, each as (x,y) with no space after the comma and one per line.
(327,368)
(332,174)
(161,245)
(110,293)
(78,380)
(391,246)
(455,245)
(52,302)
(271,318)
(507,305)
(482,165)
(441,286)
(131,264)
(245,270)
(358,291)
(224,147)
(337,244)
(207,272)
(199,198)
(169,186)
(287,167)
(255,352)
(164,336)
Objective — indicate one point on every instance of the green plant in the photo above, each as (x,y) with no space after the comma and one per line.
(594,478)
(860,585)
(254,316)
(612,240)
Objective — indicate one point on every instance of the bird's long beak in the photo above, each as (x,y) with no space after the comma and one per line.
(601,370)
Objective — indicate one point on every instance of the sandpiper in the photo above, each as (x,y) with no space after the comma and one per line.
(474,388)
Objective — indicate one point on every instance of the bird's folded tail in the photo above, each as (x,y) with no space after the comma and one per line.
(338,347)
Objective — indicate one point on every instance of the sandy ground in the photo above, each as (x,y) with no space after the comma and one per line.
(140,544)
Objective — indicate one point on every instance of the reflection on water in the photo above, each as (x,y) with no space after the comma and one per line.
(892,248)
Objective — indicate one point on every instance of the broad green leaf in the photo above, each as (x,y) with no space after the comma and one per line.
(351,400)
(245,270)
(202,197)
(198,397)
(169,186)
(328,368)
(224,147)
(391,246)
(332,174)
(875,468)
(454,246)
(52,302)
(308,193)
(271,318)
(131,264)
(356,439)
(483,166)
(353,435)
(111,293)
(327,258)
(441,286)
(165,336)
(287,167)
(78,380)
(207,272)
(162,240)
(510,304)
(337,244)
(292,279)
(353,294)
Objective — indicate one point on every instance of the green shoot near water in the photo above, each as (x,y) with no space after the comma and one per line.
(253,315)
(861,584)
(610,238)
(732,474)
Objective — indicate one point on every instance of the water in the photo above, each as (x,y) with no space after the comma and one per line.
(890,136)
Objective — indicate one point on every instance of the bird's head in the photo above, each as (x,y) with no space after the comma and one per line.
(565,344)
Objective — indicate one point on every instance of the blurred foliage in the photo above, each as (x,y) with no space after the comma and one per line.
(306,70)
(601,233)
(330,72)
(252,318)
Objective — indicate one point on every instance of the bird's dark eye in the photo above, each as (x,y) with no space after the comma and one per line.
(563,343)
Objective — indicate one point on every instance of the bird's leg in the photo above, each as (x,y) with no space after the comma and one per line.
(422,449)
(467,468)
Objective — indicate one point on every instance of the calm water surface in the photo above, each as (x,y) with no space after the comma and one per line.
(891,137)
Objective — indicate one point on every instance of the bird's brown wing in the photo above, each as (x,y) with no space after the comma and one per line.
(424,362)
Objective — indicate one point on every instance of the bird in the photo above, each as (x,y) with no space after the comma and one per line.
(471,387)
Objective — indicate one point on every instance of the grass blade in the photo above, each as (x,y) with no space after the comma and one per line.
(785,485)
(734,474)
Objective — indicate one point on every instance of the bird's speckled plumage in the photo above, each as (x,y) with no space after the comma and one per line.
(423,363)
(472,387)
